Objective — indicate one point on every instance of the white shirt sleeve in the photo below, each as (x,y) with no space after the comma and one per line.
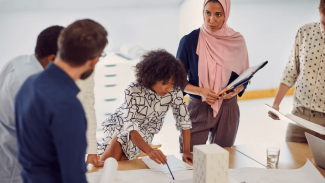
(87,99)
(291,72)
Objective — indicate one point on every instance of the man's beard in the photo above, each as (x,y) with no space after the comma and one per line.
(86,74)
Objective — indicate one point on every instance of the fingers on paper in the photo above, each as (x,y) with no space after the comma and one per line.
(159,157)
(162,157)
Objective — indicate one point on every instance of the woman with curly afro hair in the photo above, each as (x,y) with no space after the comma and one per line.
(130,130)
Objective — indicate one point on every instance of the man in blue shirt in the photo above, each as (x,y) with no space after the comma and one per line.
(12,76)
(50,121)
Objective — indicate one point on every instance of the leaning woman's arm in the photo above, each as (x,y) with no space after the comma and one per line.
(155,155)
(136,138)
(187,155)
(186,140)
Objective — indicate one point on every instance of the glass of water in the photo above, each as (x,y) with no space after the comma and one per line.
(272,156)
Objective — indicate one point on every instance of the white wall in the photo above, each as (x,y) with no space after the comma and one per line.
(149,27)
(269,28)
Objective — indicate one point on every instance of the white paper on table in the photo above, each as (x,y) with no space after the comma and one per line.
(148,176)
(142,176)
(297,120)
(174,164)
(182,181)
(306,174)
(106,175)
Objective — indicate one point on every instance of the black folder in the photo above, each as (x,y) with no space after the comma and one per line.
(244,78)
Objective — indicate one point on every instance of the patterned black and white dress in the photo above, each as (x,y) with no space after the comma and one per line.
(144,111)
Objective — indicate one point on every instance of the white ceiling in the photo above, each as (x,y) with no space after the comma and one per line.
(83,4)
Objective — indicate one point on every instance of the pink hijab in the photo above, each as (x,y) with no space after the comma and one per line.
(220,53)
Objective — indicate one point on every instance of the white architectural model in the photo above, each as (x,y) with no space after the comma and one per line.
(211,164)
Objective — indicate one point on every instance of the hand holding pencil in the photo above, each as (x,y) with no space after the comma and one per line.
(157,156)
(235,92)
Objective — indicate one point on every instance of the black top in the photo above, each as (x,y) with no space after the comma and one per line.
(51,127)
(187,54)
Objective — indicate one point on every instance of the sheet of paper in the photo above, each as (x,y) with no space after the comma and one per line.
(312,126)
(174,164)
(297,120)
(148,176)
(182,181)
(142,176)
(244,75)
(308,173)
(232,180)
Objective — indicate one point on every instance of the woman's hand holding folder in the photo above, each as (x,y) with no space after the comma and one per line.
(235,92)
(211,97)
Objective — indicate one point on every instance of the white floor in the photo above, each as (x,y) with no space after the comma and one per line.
(255,126)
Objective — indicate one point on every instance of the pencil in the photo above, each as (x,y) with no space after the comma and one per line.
(170,171)
(225,91)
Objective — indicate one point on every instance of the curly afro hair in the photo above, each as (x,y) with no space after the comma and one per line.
(159,65)
(47,41)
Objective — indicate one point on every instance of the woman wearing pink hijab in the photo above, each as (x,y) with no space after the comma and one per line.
(214,56)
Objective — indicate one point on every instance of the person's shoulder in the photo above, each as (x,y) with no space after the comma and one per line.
(134,89)
(43,87)
(32,80)
(309,27)
(20,59)
(192,35)
(29,87)
(15,62)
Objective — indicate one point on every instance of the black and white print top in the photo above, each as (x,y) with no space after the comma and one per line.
(306,68)
(143,110)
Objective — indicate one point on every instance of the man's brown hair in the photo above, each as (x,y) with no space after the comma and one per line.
(322,6)
(81,41)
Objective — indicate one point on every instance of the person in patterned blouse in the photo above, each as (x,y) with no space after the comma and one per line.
(306,71)
(130,130)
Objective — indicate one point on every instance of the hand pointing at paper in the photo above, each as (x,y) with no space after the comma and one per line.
(157,156)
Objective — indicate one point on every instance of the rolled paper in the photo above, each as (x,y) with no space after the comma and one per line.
(89,167)
(109,172)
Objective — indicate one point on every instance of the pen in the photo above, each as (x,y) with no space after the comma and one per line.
(170,170)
